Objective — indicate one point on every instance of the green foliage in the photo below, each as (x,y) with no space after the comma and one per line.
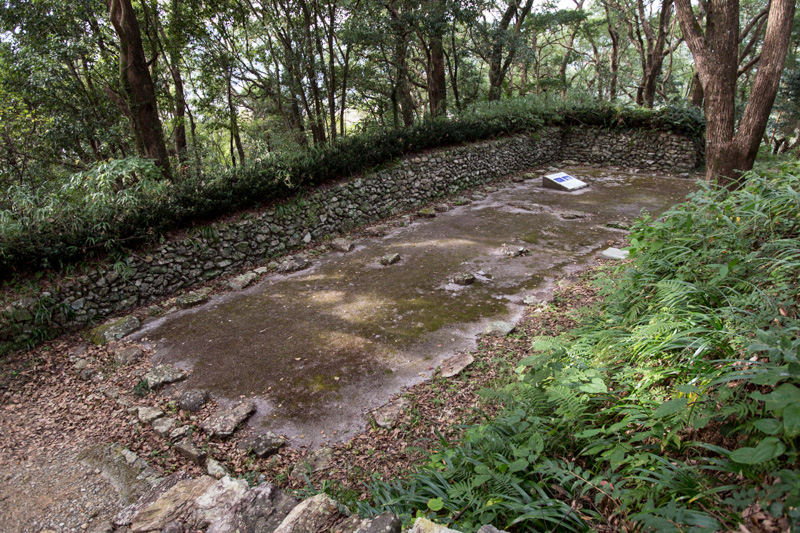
(674,408)
(122,202)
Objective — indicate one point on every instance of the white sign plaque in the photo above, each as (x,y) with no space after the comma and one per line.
(563,182)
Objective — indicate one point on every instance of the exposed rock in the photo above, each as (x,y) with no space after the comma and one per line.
(454,365)
(163,426)
(390,259)
(261,270)
(261,509)
(386,415)
(384,523)
(571,215)
(441,208)
(423,525)
(293,265)
(191,299)
(315,462)
(128,355)
(188,450)
(376,231)
(126,515)
(498,329)
(213,509)
(224,422)
(464,279)
(171,505)
(162,375)
(614,253)
(178,432)
(477,197)
(426,213)
(192,400)
(114,330)
(147,415)
(490,529)
(216,469)
(310,516)
(342,245)
(262,445)
(514,251)
(240,282)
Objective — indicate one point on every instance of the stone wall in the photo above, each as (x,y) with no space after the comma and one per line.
(223,248)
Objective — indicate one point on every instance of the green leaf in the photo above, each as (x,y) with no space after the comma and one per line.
(767,449)
(791,420)
(782,396)
(670,407)
(435,504)
(596,386)
(517,466)
(770,426)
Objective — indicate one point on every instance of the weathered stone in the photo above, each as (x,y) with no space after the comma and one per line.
(114,330)
(310,516)
(188,450)
(614,253)
(315,462)
(162,375)
(464,279)
(441,208)
(423,525)
(293,265)
(490,529)
(342,245)
(170,506)
(216,469)
(426,213)
(477,197)
(213,508)
(261,270)
(386,415)
(191,299)
(376,231)
(126,515)
(147,415)
(240,282)
(128,355)
(192,400)
(572,215)
(261,509)
(498,329)
(225,421)
(514,251)
(178,433)
(262,445)
(454,365)
(163,426)
(390,259)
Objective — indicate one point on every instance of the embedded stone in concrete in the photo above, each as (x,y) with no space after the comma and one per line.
(293,265)
(386,415)
(342,245)
(390,259)
(464,279)
(423,525)
(114,330)
(426,213)
(614,253)
(225,421)
(193,400)
(311,515)
(162,375)
(147,415)
(240,282)
(498,329)
(187,449)
(561,181)
(128,355)
(315,462)
(571,215)
(454,365)
(262,445)
(514,251)
(191,299)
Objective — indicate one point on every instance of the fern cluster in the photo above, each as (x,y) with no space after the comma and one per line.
(674,408)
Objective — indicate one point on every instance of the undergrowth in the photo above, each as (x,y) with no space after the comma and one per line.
(121,203)
(676,407)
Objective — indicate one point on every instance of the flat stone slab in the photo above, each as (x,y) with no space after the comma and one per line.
(315,462)
(498,329)
(147,415)
(164,426)
(454,365)
(240,282)
(390,259)
(128,355)
(161,375)
(114,330)
(614,253)
(386,415)
(225,421)
(188,450)
(342,245)
(262,445)
(191,299)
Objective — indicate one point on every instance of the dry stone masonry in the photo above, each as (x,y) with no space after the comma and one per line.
(224,248)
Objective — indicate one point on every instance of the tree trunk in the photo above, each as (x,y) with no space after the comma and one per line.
(234,123)
(437,83)
(137,85)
